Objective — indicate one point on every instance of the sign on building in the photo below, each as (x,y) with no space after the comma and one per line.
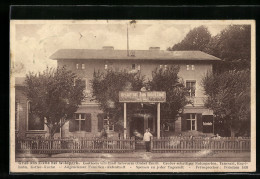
(142,96)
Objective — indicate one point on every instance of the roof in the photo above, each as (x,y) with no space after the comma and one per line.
(138,54)
(20,81)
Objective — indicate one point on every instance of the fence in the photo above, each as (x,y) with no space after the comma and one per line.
(182,144)
(75,145)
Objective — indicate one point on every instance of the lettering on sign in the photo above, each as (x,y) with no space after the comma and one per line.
(207,123)
(142,96)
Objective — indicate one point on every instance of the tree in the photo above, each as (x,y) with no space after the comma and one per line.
(106,87)
(233,46)
(229,98)
(176,93)
(196,39)
(53,96)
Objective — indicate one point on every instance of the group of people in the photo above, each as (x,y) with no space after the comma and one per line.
(146,138)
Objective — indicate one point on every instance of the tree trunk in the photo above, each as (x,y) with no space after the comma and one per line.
(51,136)
(232,132)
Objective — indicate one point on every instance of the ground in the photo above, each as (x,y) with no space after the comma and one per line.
(203,156)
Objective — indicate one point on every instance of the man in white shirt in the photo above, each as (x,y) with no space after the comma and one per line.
(147,140)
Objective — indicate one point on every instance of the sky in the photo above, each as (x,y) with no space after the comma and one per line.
(36,41)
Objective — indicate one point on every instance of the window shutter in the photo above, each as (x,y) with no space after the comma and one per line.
(72,125)
(199,122)
(184,122)
(100,121)
(88,122)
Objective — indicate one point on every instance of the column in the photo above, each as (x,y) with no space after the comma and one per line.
(158,120)
(124,120)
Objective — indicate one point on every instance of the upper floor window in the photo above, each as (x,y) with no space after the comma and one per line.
(190,67)
(34,122)
(83,66)
(165,67)
(105,66)
(133,66)
(77,66)
(161,66)
(191,86)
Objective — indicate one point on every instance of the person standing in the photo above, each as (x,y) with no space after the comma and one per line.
(147,140)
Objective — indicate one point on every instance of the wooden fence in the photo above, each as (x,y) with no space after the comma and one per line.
(195,144)
(75,145)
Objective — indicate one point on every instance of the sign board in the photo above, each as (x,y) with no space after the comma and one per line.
(142,96)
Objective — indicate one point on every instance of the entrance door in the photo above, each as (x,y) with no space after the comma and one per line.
(137,125)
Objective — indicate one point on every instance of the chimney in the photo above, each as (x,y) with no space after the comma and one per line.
(108,48)
(154,48)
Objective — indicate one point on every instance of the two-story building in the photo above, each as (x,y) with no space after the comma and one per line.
(89,119)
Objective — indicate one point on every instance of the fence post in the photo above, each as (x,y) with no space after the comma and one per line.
(152,144)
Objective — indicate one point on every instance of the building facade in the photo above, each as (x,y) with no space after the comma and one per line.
(90,120)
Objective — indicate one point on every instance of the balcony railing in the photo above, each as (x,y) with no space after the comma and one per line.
(196,101)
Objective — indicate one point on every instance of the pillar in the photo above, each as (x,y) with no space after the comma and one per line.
(158,120)
(124,120)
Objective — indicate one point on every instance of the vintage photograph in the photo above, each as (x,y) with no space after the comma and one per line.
(132,96)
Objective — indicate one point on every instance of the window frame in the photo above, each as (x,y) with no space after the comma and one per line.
(133,67)
(190,119)
(107,126)
(17,107)
(79,120)
(83,66)
(190,92)
(77,66)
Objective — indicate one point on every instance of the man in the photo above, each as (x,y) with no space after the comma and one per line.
(147,139)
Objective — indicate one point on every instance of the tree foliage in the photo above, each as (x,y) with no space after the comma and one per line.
(233,45)
(229,97)
(106,87)
(53,96)
(196,39)
(176,93)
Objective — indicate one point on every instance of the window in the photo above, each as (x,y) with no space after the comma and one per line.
(191,122)
(80,122)
(105,66)
(192,67)
(16,115)
(108,125)
(166,127)
(161,66)
(139,67)
(74,82)
(165,67)
(34,122)
(82,66)
(191,86)
(133,66)
(77,66)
